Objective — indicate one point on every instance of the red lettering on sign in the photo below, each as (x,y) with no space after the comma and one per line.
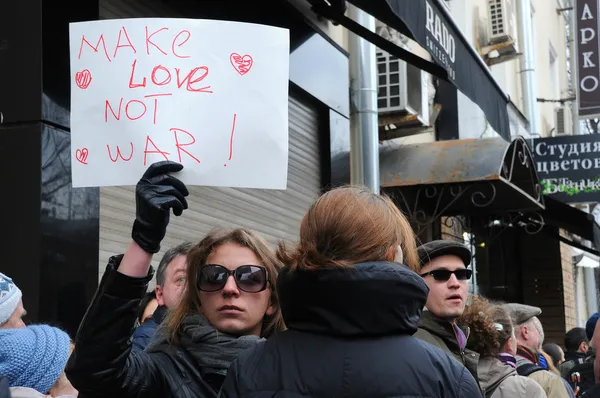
(134,85)
(149,41)
(100,40)
(142,113)
(167,78)
(179,145)
(180,44)
(189,82)
(119,45)
(119,154)
(146,151)
(108,106)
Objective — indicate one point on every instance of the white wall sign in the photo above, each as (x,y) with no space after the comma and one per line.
(212,95)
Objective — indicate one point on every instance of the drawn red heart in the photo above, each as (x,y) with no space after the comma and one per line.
(83,79)
(81,155)
(241,63)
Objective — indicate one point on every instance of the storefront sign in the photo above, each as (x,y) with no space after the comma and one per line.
(569,167)
(588,58)
(212,95)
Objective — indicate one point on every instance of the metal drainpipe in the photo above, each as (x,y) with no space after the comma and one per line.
(527,64)
(364,135)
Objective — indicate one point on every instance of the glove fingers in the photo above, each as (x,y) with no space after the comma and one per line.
(168,180)
(163,167)
(165,191)
(172,202)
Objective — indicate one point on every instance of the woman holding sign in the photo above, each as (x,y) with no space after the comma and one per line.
(230,304)
(351,308)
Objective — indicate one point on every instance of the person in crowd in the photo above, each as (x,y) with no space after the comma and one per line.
(443,264)
(530,337)
(493,337)
(581,376)
(11,304)
(33,360)
(351,308)
(229,305)
(4,387)
(577,346)
(546,362)
(555,352)
(170,282)
(147,326)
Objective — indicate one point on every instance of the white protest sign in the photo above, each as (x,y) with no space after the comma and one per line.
(212,95)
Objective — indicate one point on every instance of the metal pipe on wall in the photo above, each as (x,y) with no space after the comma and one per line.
(527,65)
(364,137)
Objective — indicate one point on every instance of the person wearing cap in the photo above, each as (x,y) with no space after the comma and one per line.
(444,268)
(33,360)
(530,337)
(11,304)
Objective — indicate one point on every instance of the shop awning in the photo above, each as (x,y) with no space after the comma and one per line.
(429,23)
(561,215)
(466,177)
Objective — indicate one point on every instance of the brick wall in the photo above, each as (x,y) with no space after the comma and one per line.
(568,285)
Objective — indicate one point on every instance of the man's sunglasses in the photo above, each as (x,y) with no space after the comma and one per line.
(442,275)
(249,278)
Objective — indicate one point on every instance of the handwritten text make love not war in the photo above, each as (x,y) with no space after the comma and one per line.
(193,80)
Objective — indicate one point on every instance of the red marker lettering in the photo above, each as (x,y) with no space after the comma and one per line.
(108,106)
(149,41)
(189,82)
(146,151)
(127,112)
(156,102)
(180,44)
(167,78)
(131,83)
(119,45)
(100,40)
(178,145)
(119,154)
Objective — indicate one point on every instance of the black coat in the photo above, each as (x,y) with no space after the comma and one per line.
(103,364)
(350,335)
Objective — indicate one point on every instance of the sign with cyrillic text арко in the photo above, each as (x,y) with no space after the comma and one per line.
(212,95)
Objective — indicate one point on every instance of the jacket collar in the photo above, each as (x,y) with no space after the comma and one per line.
(369,299)
(442,328)
(528,354)
(492,371)
(159,314)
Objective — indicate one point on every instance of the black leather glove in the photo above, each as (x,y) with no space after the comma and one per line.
(156,194)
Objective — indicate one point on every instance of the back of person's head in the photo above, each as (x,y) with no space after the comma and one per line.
(348,226)
(554,352)
(574,339)
(491,327)
(148,299)
(590,325)
(198,256)
(34,357)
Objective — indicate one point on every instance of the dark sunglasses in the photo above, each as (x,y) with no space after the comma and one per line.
(442,275)
(249,278)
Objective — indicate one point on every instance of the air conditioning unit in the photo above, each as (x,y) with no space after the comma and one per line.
(561,122)
(502,25)
(402,98)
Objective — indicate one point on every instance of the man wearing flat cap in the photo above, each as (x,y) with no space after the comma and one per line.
(444,268)
(530,337)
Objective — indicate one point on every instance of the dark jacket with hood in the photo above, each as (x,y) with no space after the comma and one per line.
(103,364)
(441,334)
(350,335)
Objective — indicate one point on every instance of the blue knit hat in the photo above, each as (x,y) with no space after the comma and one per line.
(590,325)
(34,356)
(10,296)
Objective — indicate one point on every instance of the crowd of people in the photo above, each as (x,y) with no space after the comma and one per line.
(353,309)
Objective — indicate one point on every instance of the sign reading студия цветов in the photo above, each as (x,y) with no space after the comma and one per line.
(212,95)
